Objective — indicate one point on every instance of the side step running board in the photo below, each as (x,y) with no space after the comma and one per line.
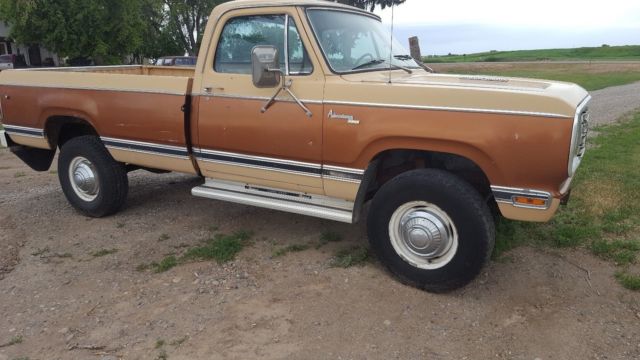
(299,203)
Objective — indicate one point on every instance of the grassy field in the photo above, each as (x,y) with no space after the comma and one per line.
(604,212)
(591,76)
(631,52)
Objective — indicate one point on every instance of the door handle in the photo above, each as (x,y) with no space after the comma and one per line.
(209,89)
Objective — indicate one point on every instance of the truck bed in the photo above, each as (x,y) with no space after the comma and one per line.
(137,110)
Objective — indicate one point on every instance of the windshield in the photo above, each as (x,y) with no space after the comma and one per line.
(353,42)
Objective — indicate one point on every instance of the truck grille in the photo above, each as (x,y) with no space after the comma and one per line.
(583,132)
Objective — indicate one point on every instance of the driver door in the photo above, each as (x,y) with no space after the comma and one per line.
(282,147)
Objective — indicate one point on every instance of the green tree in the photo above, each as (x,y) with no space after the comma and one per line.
(371,4)
(104,30)
(186,21)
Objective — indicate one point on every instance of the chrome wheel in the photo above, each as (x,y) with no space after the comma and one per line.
(423,235)
(84,179)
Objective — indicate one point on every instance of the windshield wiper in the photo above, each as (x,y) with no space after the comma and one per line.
(380,61)
(403,57)
(420,63)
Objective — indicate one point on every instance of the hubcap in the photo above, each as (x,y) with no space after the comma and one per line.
(84,178)
(423,235)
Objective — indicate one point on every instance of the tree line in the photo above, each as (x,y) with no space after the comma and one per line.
(115,31)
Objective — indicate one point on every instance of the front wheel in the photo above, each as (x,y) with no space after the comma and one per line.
(92,181)
(431,229)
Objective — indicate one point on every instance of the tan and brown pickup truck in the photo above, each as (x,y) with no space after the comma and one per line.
(307,107)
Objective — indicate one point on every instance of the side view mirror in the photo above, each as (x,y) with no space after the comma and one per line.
(265,64)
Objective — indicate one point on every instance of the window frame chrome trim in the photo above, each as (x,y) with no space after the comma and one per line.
(287,18)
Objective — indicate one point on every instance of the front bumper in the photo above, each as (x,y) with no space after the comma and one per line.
(3,139)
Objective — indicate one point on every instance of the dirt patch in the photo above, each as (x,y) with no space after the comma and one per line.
(68,304)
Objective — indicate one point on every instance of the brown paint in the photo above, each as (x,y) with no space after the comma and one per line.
(148,117)
(516,151)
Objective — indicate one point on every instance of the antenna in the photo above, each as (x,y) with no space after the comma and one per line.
(391,42)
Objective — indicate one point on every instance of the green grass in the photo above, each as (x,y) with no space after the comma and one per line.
(328,237)
(14,341)
(631,282)
(221,248)
(612,53)
(104,252)
(165,264)
(588,80)
(349,257)
(604,212)
(290,249)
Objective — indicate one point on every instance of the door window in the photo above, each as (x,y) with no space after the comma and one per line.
(241,34)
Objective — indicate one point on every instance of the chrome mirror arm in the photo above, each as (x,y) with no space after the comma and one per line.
(285,86)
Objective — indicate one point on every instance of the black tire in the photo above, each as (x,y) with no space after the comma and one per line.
(469,214)
(112,182)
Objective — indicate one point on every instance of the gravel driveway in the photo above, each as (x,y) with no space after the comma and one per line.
(609,104)
(62,302)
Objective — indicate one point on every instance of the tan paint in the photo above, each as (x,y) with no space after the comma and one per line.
(278,181)
(515,213)
(112,80)
(341,189)
(260,176)
(153,161)
(40,143)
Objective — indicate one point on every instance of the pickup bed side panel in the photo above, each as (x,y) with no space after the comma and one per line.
(141,123)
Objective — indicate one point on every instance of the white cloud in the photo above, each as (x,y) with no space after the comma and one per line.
(559,14)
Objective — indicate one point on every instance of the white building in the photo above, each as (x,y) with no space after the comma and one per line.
(34,55)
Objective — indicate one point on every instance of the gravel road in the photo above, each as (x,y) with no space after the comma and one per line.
(609,104)
(62,302)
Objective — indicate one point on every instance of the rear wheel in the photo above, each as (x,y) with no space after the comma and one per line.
(92,181)
(431,229)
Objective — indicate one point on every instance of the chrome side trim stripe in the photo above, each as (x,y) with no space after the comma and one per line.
(256,98)
(141,91)
(507,195)
(282,165)
(24,131)
(146,148)
(394,106)
(259,162)
(445,108)
(342,174)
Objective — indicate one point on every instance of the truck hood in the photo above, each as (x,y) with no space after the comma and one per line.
(465,92)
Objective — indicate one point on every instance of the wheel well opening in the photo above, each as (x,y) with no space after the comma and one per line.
(60,129)
(392,163)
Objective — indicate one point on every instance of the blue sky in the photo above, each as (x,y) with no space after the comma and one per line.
(473,26)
